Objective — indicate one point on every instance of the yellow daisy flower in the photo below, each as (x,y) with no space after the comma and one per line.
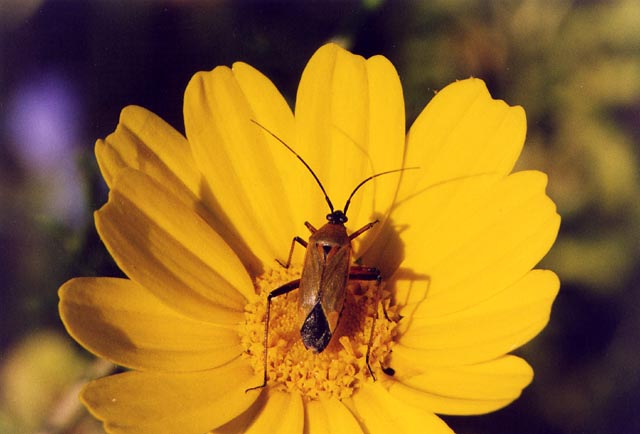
(197,224)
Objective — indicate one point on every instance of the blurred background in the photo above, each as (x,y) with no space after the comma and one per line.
(67,68)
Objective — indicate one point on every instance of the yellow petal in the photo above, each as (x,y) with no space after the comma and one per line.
(330,416)
(282,413)
(236,156)
(187,403)
(470,389)
(462,132)
(164,246)
(471,238)
(349,125)
(121,321)
(145,142)
(484,331)
(274,411)
(382,413)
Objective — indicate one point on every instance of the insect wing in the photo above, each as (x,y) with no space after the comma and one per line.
(334,283)
(312,272)
(322,287)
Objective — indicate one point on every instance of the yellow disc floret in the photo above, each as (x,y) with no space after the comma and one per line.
(342,367)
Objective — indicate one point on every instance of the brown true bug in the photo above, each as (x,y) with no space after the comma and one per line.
(326,270)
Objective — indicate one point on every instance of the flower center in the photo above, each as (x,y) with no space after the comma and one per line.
(341,368)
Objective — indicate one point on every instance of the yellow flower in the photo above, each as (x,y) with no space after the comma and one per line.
(197,223)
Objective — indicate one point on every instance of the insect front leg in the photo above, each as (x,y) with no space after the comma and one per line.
(363,229)
(284,289)
(293,243)
(295,240)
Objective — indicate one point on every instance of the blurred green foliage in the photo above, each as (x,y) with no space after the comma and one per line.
(573,66)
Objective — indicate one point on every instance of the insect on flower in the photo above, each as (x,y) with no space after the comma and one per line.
(195,234)
(326,270)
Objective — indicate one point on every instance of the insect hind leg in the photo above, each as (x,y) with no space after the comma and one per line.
(282,290)
(369,274)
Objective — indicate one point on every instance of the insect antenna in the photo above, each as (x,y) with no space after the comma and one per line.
(326,196)
(363,182)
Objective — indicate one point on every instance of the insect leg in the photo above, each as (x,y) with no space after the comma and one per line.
(364,273)
(363,229)
(369,274)
(284,289)
(293,243)
(295,240)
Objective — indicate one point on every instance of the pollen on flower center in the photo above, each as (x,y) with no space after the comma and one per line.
(341,368)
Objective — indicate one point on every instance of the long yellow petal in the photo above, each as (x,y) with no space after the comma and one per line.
(164,246)
(274,411)
(236,156)
(145,142)
(469,239)
(187,403)
(283,413)
(330,416)
(462,132)
(382,413)
(484,331)
(464,390)
(349,125)
(461,141)
(121,321)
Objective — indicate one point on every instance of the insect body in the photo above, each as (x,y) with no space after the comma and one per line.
(323,283)
(326,270)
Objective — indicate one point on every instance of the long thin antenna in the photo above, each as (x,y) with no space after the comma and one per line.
(326,196)
(346,205)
